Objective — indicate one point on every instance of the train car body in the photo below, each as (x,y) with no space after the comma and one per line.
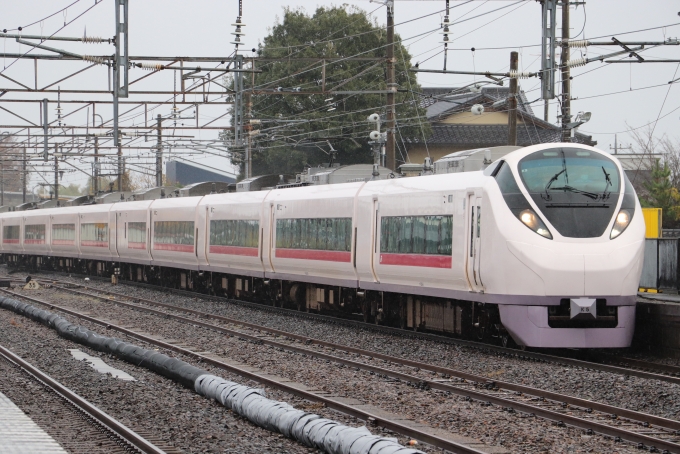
(544,247)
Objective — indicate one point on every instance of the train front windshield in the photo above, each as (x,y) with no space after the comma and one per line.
(576,190)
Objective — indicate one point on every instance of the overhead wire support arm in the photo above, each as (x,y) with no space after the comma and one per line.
(490,75)
(584,61)
(644,61)
(51,49)
(615,42)
(83,39)
(196,69)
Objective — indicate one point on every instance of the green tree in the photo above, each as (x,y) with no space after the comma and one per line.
(296,129)
(660,193)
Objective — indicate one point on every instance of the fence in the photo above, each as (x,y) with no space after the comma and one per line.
(660,268)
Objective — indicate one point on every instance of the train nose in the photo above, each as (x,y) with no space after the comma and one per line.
(562,273)
(616,272)
(587,270)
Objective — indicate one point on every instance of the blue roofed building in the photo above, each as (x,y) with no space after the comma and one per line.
(183,173)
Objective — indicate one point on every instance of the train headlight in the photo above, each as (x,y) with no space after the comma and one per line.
(620,223)
(531,220)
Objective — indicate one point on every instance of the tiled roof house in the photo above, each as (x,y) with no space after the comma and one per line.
(455,128)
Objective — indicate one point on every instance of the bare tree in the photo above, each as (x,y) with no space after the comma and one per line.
(646,152)
(670,149)
(11,156)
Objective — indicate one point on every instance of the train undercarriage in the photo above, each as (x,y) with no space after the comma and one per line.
(456,318)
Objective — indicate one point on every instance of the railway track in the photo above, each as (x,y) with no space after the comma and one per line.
(106,433)
(599,362)
(397,424)
(644,430)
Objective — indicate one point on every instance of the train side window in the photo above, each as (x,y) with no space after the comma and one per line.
(11,232)
(240,233)
(97,231)
(174,232)
(34,232)
(416,235)
(329,234)
(136,232)
(63,232)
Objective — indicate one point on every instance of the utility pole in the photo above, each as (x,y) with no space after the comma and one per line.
(45,126)
(120,167)
(120,69)
(390,161)
(56,175)
(616,146)
(249,149)
(2,183)
(238,109)
(566,74)
(548,53)
(512,100)
(159,151)
(95,172)
(23,176)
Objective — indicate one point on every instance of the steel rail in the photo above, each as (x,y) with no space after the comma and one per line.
(434,384)
(627,362)
(395,426)
(522,354)
(111,424)
(430,336)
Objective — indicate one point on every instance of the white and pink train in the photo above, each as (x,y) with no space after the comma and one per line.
(543,247)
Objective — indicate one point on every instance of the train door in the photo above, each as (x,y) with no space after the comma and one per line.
(375,237)
(473,261)
(272,237)
(115,230)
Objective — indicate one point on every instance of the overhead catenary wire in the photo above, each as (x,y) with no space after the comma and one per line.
(282,98)
(66,24)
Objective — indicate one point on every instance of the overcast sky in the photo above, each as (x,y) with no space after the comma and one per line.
(616,94)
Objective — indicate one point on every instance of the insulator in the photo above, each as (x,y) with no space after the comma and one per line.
(514,74)
(578,43)
(577,62)
(95,59)
(92,39)
(238,33)
(238,24)
(150,66)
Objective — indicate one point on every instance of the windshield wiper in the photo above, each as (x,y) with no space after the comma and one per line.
(556,176)
(590,195)
(552,180)
(605,194)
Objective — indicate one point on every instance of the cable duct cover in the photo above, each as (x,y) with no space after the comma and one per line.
(251,403)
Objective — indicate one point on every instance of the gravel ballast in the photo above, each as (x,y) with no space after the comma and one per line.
(512,431)
(151,404)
